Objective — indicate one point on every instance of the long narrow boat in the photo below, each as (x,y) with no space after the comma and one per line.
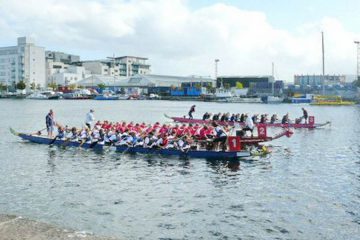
(310,125)
(49,141)
(166,152)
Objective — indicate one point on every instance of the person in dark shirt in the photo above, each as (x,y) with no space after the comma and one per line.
(285,119)
(273,118)
(50,123)
(242,118)
(192,110)
(305,115)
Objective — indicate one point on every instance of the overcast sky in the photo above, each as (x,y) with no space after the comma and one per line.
(183,37)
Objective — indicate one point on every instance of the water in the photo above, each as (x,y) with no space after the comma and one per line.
(309,188)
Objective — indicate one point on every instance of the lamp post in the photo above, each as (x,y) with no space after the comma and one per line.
(358,60)
(216,69)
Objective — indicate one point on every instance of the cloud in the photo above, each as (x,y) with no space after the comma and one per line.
(179,40)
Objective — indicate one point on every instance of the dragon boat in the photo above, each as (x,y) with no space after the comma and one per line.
(238,147)
(310,125)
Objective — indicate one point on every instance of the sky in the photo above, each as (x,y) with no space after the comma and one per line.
(184,37)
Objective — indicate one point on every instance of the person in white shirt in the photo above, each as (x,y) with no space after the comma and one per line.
(249,124)
(89,118)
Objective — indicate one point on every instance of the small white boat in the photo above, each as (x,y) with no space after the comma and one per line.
(45,95)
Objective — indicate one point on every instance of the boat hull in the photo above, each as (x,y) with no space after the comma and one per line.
(48,141)
(141,150)
(190,153)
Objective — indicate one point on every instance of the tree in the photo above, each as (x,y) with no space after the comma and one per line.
(227,85)
(239,85)
(72,86)
(21,85)
(101,86)
(32,86)
(52,85)
(2,87)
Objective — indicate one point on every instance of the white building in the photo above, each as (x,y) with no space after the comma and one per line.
(69,74)
(130,65)
(24,62)
(125,66)
(101,68)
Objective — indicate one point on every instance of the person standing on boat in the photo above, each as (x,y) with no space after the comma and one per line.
(50,123)
(192,110)
(220,137)
(89,118)
(305,115)
(249,124)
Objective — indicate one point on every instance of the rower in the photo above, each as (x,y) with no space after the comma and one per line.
(273,119)
(285,119)
(255,118)
(183,144)
(263,118)
(206,116)
(242,118)
(149,140)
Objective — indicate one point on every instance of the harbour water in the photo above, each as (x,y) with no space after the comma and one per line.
(308,188)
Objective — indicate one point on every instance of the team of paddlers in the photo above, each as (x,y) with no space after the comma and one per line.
(165,136)
(256,118)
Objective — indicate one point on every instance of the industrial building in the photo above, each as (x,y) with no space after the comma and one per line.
(316,80)
(246,81)
(159,84)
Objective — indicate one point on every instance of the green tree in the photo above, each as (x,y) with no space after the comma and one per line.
(2,87)
(227,85)
(32,86)
(21,85)
(101,86)
(72,86)
(239,85)
(52,85)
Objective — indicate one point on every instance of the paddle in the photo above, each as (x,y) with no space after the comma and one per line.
(53,140)
(38,132)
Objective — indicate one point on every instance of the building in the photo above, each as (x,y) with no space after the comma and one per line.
(61,68)
(69,75)
(66,58)
(125,66)
(130,66)
(101,67)
(246,81)
(317,80)
(159,84)
(23,62)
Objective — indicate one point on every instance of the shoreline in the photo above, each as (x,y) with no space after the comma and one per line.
(16,227)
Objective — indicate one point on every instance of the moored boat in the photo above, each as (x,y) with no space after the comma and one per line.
(311,124)
(106,97)
(331,101)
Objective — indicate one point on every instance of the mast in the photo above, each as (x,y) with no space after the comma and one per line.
(273,78)
(323,62)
